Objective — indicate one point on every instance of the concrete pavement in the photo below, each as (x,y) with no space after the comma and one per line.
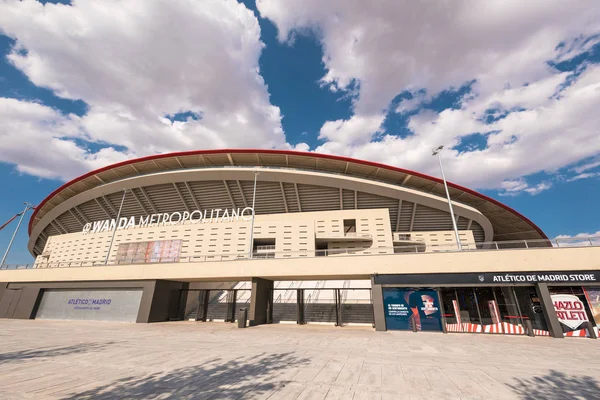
(101,360)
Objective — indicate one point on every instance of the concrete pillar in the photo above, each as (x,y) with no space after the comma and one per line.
(378,310)
(261,295)
(554,326)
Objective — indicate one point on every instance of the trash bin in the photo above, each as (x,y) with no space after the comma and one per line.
(242,317)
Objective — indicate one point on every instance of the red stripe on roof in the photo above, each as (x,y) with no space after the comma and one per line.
(284,152)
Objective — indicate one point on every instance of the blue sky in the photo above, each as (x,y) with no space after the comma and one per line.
(512,93)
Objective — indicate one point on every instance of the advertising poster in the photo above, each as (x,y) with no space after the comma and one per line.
(593,298)
(403,307)
(569,310)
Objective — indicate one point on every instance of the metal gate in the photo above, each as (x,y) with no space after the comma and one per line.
(213,304)
(319,305)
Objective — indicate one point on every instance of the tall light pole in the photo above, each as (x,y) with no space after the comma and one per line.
(12,239)
(253,215)
(436,152)
(112,239)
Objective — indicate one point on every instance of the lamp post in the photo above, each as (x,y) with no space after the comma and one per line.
(253,215)
(12,239)
(436,152)
(112,239)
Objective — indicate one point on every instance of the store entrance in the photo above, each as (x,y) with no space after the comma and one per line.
(501,310)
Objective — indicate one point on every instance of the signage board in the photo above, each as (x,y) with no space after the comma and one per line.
(491,278)
(164,219)
(90,304)
(570,310)
(405,307)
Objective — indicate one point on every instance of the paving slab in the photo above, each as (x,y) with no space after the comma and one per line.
(195,360)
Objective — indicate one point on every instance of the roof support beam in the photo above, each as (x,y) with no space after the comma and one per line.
(103,209)
(114,210)
(101,181)
(179,162)
(81,214)
(76,218)
(138,200)
(187,208)
(283,196)
(356,200)
(405,180)
(398,216)
(148,200)
(346,169)
(298,197)
(57,225)
(341,200)
(469,224)
(239,185)
(412,217)
(515,233)
(229,193)
(137,171)
(230,159)
(187,186)
(287,161)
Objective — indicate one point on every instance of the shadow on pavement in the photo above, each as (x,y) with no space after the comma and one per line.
(557,385)
(52,352)
(213,378)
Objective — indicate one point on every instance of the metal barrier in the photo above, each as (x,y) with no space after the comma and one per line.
(397,250)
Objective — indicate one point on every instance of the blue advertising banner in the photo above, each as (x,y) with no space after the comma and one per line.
(405,307)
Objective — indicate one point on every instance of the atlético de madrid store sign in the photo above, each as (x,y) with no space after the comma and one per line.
(216,215)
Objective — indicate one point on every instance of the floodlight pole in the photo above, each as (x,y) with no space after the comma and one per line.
(112,239)
(436,152)
(12,239)
(253,215)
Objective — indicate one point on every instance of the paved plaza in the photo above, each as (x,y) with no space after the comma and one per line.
(187,360)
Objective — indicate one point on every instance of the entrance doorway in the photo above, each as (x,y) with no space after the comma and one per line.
(501,310)
(213,304)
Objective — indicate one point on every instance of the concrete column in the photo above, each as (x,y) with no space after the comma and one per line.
(549,312)
(261,293)
(378,310)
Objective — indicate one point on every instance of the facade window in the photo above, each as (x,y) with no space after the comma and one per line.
(349,226)
(263,248)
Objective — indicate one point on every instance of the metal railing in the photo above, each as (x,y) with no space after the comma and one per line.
(398,250)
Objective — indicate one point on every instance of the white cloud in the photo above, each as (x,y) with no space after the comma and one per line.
(514,187)
(587,166)
(134,62)
(585,175)
(42,142)
(502,46)
(578,240)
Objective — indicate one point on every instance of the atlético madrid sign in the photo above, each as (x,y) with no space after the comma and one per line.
(164,219)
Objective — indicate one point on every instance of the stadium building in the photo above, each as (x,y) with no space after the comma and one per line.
(299,238)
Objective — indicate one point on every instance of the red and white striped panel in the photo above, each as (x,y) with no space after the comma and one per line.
(579,333)
(505,328)
(465,327)
(540,332)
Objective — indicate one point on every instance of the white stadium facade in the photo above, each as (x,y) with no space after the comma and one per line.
(289,237)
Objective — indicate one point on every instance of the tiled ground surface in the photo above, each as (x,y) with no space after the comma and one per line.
(86,360)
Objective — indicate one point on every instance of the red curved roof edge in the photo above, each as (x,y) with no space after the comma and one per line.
(288,152)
